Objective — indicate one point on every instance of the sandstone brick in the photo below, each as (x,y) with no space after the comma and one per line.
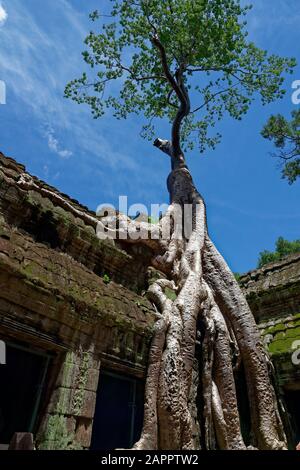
(61,401)
(83,433)
(88,404)
(92,380)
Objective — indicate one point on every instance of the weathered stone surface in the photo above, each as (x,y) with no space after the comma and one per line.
(72,402)
(273,293)
(61,401)
(53,296)
(60,229)
(50,269)
(274,290)
(92,380)
(87,406)
(84,432)
(62,297)
(57,433)
(22,441)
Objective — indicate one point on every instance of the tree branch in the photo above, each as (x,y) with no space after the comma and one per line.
(164,145)
(213,97)
(169,98)
(177,85)
(138,79)
(155,40)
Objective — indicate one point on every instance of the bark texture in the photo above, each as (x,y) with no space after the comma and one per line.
(207,294)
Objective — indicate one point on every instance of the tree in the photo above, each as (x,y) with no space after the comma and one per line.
(286,138)
(283,248)
(205,334)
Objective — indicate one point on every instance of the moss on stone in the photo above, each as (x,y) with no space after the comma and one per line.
(277,328)
(283,345)
(284,334)
(57,437)
(81,385)
(170,294)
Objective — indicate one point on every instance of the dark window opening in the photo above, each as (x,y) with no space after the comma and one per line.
(42,226)
(118,416)
(243,405)
(22,381)
(292,400)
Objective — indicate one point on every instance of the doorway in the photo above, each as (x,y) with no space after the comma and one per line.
(22,380)
(118,416)
(292,400)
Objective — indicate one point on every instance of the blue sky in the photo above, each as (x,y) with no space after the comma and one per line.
(248,204)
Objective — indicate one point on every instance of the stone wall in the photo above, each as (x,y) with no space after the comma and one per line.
(273,293)
(65,292)
(61,223)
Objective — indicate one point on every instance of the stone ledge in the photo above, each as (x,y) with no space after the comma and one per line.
(57,226)
(58,301)
(272,275)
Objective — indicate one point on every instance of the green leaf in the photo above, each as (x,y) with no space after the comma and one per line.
(205,39)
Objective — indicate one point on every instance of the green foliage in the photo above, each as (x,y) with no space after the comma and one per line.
(206,37)
(283,248)
(237,276)
(106,279)
(286,137)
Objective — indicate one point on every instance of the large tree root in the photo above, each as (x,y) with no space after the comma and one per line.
(206,291)
(266,425)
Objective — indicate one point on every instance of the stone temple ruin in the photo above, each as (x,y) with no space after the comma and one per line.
(75,327)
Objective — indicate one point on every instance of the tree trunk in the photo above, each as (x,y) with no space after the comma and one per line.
(206,293)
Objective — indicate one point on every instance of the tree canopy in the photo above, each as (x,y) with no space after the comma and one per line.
(164,54)
(286,137)
(283,248)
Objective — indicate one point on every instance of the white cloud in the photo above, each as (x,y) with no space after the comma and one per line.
(36,66)
(37,59)
(3,14)
(54,145)
(269,15)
